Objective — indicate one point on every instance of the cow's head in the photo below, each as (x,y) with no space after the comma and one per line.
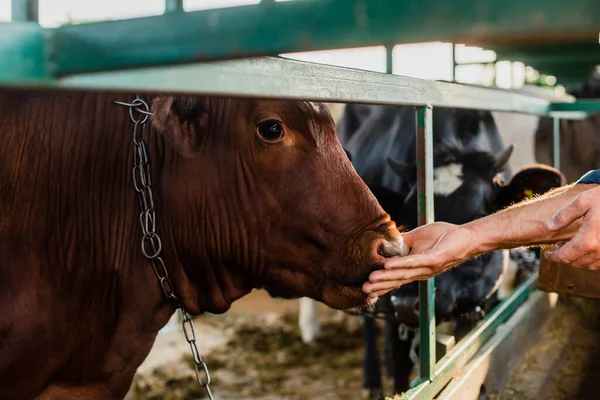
(261,194)
(467,185)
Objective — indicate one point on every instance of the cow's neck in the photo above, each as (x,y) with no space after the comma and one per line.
(200,225)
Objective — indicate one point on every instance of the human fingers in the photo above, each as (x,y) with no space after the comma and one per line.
(548,252)
(580,245)
(407,267)
(571,211)
(589,261)
(383,279)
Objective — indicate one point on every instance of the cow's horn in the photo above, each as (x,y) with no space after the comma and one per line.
(503,157)
(399,168)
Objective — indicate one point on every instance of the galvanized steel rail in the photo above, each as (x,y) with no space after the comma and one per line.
(272,77)
(162,55)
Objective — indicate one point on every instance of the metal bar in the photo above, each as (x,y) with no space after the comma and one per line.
(470,344)
(426,215)
(389,59)
(591,105)
(454,64)
(318,25)
(22,53)
(25,10)
(556,142)
(280,78)
(173,6)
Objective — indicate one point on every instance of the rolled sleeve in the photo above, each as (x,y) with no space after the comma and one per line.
(592,176)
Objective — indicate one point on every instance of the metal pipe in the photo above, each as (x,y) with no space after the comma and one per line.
(427,357)
(556,142)
(464,350)
(25,10)
(173,6)
(389,59)
(454,64)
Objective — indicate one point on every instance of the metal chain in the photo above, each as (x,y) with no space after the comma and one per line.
(369,313)
(151,243)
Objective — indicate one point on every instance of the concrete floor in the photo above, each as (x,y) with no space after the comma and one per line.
(565,363)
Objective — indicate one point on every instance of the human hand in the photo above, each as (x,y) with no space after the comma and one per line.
(434,248)
(583,250)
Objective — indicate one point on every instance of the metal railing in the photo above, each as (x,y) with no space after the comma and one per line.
(162,55)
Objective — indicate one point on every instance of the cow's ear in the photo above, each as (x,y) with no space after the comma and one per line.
(530,181)
(183,121)
(401,169)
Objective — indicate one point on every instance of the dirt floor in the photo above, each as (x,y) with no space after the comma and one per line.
(565,363)
(254,351)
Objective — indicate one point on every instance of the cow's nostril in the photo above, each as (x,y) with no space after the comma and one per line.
(392,248)
(381,249)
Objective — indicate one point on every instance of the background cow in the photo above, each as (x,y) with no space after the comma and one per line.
(579,139)
(468,157)
(247,194)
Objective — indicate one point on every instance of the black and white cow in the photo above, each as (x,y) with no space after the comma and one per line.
(469,183)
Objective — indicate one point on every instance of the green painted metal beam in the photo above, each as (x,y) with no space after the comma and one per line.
(590,106)
(470,344)
(316,25)
(548,48)
(426,215)
(22,53)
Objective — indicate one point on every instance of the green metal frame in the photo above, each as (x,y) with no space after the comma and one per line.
(167,54)
(464,350)
(310,25)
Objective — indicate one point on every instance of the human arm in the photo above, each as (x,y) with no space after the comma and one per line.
(439,246)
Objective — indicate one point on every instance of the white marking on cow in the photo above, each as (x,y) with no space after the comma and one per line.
(509,276)
(447,179)
(308,320)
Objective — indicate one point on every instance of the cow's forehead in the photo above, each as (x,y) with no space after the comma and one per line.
(296,109)
(447,179)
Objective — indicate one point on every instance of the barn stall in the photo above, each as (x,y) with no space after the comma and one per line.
(207,52)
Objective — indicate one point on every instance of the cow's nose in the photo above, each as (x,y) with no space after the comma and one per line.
(391,248)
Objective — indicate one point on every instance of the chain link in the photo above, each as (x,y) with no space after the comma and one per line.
(151,243)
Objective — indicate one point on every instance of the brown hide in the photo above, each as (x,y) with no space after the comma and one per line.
(579,139)
(80,306)
(579,145)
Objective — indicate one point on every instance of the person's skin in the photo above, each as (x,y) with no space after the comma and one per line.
(567,213)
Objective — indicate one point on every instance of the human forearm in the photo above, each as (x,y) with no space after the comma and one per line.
(524,224)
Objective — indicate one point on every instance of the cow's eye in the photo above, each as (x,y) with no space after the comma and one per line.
(270,130)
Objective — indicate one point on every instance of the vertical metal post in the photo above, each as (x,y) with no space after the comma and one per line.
(25,10)
(454,64)
(389,59)
(556,142)
(427,357)
(173,6)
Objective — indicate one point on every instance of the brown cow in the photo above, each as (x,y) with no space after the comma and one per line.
(248,194)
